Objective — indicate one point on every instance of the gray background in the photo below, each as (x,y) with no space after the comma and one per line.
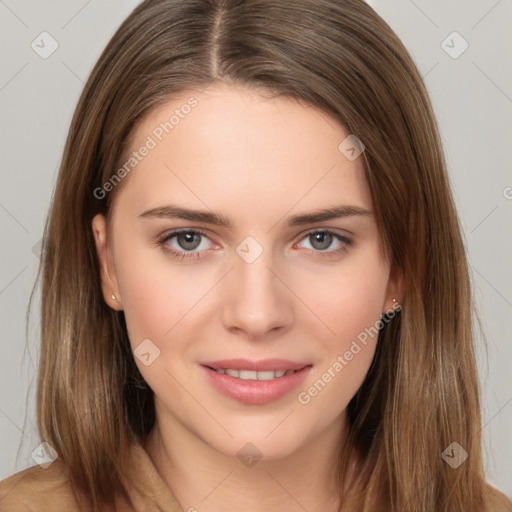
(472,95)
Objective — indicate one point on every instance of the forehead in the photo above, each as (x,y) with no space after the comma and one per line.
(232,148)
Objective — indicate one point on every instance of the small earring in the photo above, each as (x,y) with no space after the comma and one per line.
(113,297)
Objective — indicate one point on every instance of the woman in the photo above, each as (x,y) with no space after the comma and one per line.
(255,291)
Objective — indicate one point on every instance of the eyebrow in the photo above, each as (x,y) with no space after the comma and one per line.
(217,219)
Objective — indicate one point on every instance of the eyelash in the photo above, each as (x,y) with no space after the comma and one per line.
(181,255)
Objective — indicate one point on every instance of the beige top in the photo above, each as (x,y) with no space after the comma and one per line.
(48,490)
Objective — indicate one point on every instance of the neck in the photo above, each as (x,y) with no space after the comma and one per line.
(203,479)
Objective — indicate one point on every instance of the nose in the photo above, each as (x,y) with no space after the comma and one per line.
(256,302)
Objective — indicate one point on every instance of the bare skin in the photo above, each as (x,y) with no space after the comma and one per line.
(257,161)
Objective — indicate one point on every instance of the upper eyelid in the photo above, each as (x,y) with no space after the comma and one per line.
(325,230)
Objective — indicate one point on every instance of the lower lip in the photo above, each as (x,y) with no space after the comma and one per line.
(256,392)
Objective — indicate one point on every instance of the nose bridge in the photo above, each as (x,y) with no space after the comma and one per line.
(256,301)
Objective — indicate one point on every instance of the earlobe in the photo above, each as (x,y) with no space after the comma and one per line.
(395,292)
(109,286)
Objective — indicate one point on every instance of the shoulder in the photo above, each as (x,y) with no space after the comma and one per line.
(498,502)
(38,490)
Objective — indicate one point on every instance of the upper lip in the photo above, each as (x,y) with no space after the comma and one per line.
(261,365)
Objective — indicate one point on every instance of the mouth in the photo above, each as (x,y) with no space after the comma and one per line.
(255,382)
(252,374)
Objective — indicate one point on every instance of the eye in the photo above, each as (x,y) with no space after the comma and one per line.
(321,240)
(185,243)
(190,243)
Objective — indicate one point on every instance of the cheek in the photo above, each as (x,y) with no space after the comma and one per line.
(348,298)
(153,297)
(158,305)
(161,302)
(350,306)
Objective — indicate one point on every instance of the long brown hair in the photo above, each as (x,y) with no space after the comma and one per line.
(421,392)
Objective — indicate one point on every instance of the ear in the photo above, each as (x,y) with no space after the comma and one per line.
(108,274)
(394,290)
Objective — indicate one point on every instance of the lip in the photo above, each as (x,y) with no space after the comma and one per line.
(254,392)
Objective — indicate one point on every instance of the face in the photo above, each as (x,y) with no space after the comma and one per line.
(230,272)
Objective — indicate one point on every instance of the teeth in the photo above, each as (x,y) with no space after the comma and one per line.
(254,375)
(248,375)
(268,375)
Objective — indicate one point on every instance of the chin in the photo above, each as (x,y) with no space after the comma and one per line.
(259,441)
